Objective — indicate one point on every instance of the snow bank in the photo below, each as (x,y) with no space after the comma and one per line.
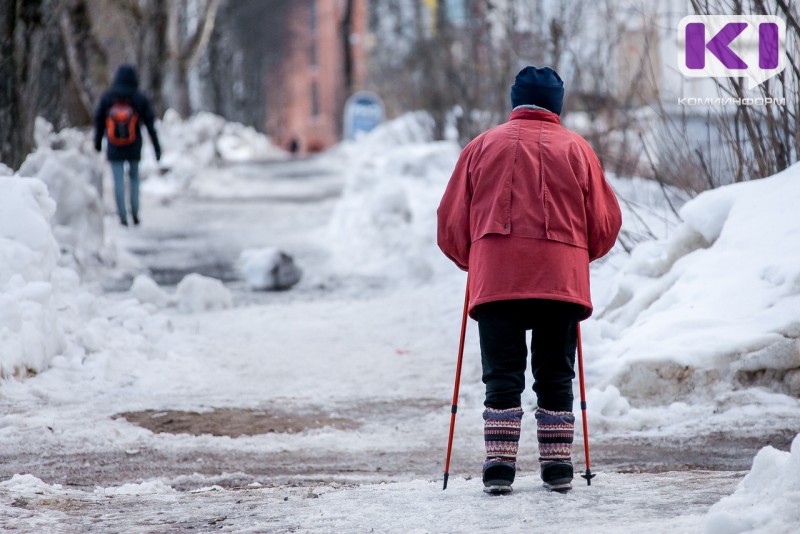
(715,305)
(29,332)
(385,222)
(73,172)
(190,147)
(766,500)
(46,316)
(27,248)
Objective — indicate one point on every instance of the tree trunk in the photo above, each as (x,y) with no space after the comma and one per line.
(183,52)
(347,30)
(86,60)
(152,51)
(21,36)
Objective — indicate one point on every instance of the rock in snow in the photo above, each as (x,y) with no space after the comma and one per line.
(268,269)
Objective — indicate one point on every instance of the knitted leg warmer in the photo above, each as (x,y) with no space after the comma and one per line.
(555,432)
(501,433)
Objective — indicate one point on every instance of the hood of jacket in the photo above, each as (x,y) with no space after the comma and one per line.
(126,78)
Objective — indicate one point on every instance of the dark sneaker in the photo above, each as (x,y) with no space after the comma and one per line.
(497,478)
(136,220)
(557,476)
(123,222)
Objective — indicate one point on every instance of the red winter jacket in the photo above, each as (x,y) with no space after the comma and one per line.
(526,210)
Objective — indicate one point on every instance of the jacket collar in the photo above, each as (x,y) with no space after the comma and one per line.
(535,115)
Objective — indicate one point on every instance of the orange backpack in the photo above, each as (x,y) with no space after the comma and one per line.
(121,123)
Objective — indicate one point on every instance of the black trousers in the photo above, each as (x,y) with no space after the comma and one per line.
(504,353)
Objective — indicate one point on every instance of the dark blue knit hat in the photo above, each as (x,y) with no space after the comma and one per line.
(540,87)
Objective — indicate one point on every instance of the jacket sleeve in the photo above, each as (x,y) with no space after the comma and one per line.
(100,122)
(149,119)
(453,233)
(603,216)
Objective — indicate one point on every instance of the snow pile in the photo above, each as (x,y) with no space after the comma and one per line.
(196,293)
(29,333)
(73,172)
(715,304)
(147,291)
(30,485)
(766,500)
(385,221)
(46,317)
(192,146)
(268,268)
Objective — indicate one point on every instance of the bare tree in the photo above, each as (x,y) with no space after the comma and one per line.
(186,41)
(758,141)
(85,58)
(23,27)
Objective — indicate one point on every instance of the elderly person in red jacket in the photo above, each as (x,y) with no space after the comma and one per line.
(526,209)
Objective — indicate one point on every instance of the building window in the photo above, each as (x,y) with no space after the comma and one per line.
(312,16)
(313,52)
(314,99)
(312,26)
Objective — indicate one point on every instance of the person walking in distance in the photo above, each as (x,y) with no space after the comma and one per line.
(526,210)
(119,115)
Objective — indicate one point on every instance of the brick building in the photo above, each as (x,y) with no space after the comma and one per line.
(324,63)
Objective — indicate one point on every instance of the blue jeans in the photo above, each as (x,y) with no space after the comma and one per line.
(118,170)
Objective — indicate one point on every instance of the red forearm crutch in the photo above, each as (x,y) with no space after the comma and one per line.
(454,408)
(588,475)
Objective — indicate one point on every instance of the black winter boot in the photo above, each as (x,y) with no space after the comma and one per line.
(555,432)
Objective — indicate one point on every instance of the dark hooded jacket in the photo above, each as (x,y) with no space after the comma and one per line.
(126,88)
